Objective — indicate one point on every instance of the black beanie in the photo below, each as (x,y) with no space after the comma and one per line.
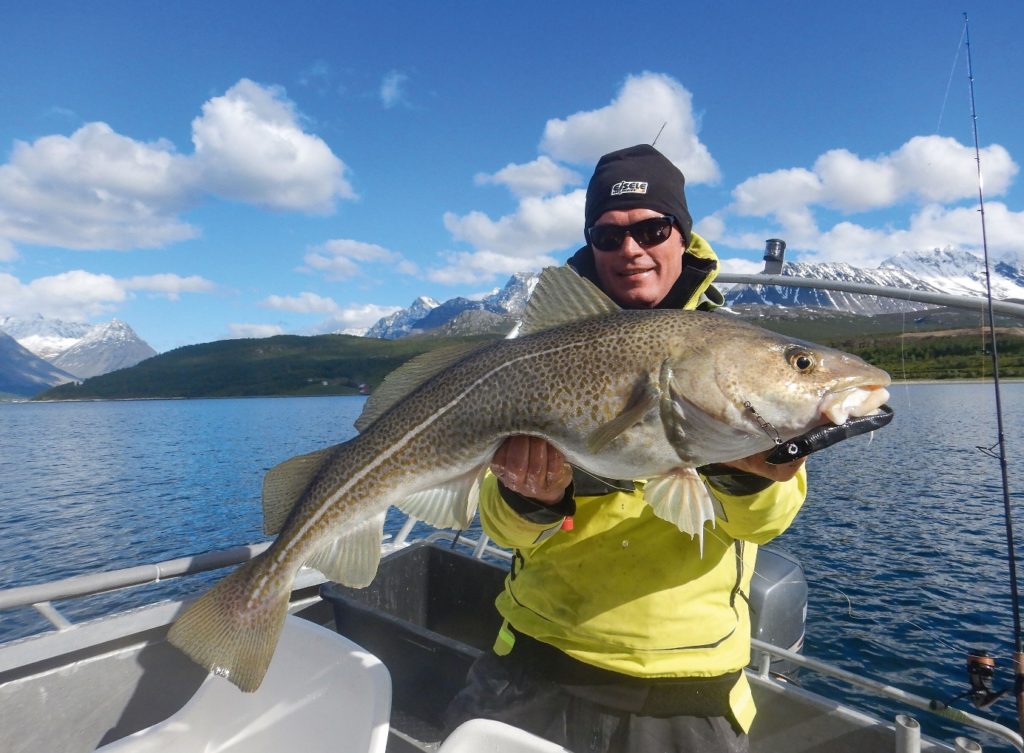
(639,177)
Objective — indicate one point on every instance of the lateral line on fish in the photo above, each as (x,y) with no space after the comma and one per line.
(360,474)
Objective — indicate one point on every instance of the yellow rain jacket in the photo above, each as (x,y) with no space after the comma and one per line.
(626,591)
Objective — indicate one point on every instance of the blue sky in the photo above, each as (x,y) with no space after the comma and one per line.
(228,169)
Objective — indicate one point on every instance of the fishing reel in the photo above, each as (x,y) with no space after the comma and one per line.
(981,670)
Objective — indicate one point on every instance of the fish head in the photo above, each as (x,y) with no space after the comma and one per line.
(772,387)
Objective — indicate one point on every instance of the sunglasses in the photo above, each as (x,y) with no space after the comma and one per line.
(647,233)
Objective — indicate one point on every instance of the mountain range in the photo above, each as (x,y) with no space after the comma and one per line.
(945,270)
(426,314)
(38,353)
(51,352)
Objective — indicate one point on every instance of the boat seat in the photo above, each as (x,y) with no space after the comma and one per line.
(322,692)
(479,735)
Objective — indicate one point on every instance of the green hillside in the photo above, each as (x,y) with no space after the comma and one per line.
(949,354)
(339,364)
(282,365)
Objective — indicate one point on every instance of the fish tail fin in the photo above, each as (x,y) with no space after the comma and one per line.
(231,631)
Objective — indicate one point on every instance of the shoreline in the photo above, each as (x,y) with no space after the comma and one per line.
(977,380)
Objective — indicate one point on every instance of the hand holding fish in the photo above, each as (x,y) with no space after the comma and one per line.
(533,467)
(758,465)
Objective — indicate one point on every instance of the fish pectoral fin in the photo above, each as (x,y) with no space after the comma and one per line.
(563,296)
(645,397)
(285,483)
(407,377)
(682,499)
(450,505)
(352,558)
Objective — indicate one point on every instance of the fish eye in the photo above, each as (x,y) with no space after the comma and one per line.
(801,360)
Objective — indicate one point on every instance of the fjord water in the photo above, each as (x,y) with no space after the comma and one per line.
(902,537)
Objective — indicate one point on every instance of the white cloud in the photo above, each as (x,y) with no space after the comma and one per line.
(77,295)
(776,192)
(518,242)
(251,147)
(924,170)
(343,259)
(933,172)
(238,331)
(542,223)
(538,178)
(303,303)
(643,104)
(737,266)
(391,93)
(97,189)
(169,286)
(356,318)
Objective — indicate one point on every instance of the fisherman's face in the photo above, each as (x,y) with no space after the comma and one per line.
(633,276)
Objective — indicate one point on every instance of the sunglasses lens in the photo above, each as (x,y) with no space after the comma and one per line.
(646,232)
(651,232)
(607,237)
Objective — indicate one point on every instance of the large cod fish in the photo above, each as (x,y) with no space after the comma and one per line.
(649,394)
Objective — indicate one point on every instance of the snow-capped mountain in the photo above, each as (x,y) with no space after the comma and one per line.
(23,373)
(47,338)
(959,272)
(403,322)
(859,304)
(105,348)
(940,270)
(80,349)
(509,301)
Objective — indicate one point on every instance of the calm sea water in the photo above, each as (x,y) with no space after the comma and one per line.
(902,537)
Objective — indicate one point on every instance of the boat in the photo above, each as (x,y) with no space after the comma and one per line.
(372,670)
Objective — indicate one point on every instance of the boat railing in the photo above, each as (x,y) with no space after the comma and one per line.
(42,596)
(971,303)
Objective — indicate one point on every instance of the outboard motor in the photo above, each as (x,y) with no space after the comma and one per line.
(778,606)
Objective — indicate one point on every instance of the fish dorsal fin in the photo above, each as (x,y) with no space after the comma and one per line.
(352,558)
(562,296)
(407,378)
(285,483)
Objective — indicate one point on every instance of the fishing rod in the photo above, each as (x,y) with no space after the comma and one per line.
(1018,654)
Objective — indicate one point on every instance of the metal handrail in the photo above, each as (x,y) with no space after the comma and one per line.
(85,585)
(900,294)
(112,580)
(886,691)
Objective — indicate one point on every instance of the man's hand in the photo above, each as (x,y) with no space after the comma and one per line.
(759,466)
(532,467)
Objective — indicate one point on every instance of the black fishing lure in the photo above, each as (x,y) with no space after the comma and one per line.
(825,436)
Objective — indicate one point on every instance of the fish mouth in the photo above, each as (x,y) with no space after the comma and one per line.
(853,402)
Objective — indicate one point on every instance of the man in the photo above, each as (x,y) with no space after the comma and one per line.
(619,634)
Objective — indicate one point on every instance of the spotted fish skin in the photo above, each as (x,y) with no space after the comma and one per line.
(623,394)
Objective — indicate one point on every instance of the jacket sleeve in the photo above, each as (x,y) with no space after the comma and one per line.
(518,529)
(757,514)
